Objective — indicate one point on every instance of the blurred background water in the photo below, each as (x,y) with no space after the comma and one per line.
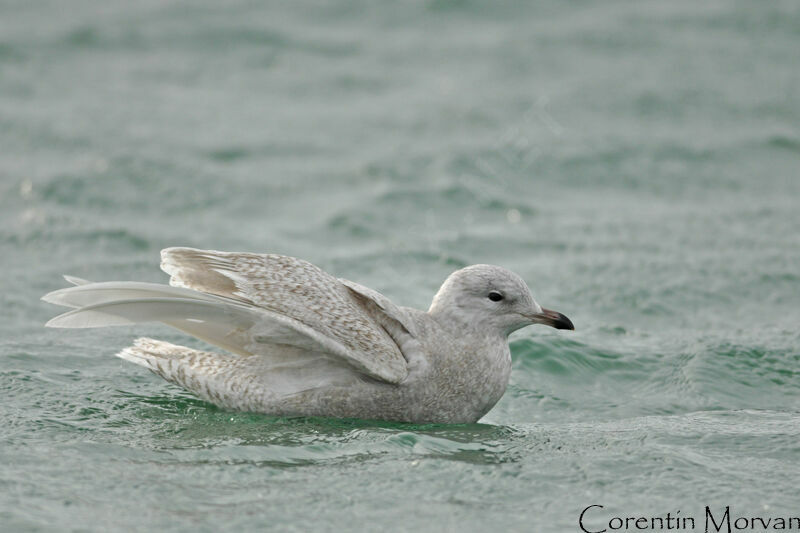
(636,162)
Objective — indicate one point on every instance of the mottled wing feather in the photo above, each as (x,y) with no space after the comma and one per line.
(296,289)
(386,306)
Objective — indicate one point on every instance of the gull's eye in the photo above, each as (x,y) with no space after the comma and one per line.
(495,296)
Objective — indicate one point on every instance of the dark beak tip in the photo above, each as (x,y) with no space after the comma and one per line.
(558,320)
(562,322)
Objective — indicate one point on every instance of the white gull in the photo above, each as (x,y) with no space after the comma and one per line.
(301,342)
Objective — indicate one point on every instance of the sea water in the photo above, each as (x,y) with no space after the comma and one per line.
(637,163)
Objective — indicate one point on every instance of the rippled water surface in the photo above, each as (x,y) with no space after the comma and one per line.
(638,163)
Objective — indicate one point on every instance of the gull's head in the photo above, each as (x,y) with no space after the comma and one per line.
(493,298)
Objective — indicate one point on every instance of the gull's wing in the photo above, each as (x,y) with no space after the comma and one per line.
(383,308)
(320,305)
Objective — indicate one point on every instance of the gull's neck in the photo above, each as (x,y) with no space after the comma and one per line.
(460,323)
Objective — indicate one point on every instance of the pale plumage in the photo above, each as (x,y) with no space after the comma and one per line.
(303,342)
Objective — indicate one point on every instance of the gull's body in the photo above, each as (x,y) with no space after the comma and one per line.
(302,342)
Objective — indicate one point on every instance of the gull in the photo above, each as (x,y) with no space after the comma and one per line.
(301,342)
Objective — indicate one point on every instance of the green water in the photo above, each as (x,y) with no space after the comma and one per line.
(636,162)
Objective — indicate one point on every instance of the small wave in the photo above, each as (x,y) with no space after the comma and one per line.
(230,154)
(10,53)
(784,142)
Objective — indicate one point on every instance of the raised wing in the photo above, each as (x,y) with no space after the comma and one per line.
(320,305)
(382,308)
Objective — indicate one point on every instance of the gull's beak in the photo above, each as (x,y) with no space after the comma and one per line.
(553,319)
